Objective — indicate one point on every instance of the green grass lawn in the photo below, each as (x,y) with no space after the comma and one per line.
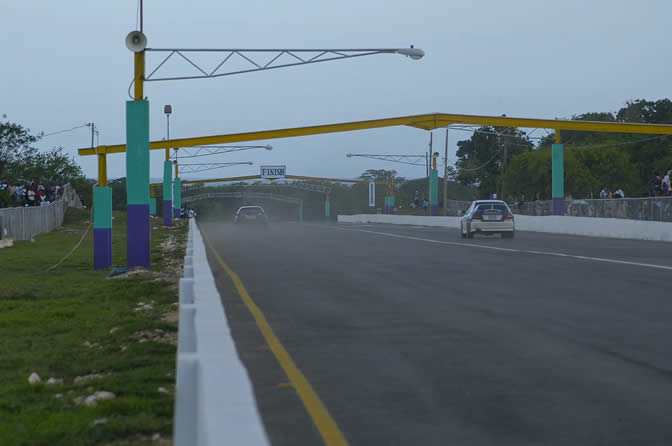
(73,322)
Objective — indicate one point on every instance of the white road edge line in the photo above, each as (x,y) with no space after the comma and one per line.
(524,251)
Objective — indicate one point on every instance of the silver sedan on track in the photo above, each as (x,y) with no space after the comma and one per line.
(487,217)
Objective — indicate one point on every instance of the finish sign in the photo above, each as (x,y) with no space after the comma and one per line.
(273,172)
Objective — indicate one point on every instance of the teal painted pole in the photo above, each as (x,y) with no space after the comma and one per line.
(434,192)
(558,179)
(177,197)
(152,206)
(167,193)
(301,212)
(137,184)
(391,204)
(102,227)
(327,208)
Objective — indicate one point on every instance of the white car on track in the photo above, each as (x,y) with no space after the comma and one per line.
(488,217)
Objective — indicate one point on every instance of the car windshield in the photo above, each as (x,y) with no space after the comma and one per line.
(492,206)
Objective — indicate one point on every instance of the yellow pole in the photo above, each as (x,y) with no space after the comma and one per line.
(167,154)
(557,137)
(152,193)
(434,164)
(176,174)
(102,170)
(139,76)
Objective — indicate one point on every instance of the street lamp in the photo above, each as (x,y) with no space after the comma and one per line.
(250,57)
(168,175)
(413,53)
(137,117)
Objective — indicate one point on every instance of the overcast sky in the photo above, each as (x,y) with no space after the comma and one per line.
(65,63)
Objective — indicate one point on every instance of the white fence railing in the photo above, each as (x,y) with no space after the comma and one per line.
(647,208)
(214,401)
(24,223)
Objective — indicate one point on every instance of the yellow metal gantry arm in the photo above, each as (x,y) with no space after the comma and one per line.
(102,170)
(424,122)
(139,76)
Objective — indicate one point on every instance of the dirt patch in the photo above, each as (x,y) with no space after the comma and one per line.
(157,335)
(171,316)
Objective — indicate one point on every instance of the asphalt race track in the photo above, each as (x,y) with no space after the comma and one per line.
(413,336)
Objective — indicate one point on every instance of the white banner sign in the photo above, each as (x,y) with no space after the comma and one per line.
(372,194)
(273,172)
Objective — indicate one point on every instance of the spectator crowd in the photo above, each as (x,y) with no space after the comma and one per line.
(605,192)
(661,184)
(29,194)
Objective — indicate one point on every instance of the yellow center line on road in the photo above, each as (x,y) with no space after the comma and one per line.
(329,430)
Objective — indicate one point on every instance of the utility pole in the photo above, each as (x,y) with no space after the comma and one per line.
(445,177)
(429,167)
(506,156)
(93,131)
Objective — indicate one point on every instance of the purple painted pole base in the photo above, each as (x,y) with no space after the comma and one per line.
(138,236)
(558,206)
(434,210)
(102,248)
(167,212)
(177,213)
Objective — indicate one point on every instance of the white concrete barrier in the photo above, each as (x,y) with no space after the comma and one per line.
(214,399)
(588,226)
(441,222)
(597,227)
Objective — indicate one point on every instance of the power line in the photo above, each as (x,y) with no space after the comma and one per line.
(64,131)
(459,169)
(618,144)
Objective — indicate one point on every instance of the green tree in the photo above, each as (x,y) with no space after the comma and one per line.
(529,176)
(481,157)
(21,162)
(389,176)
(16,145)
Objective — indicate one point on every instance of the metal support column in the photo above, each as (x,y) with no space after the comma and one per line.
(137,183)
(152,201)
(434,190)
(167,193)
(558,176)
(177,198)
(102,227)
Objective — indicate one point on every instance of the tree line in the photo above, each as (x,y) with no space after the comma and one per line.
(592,159)
(22,163)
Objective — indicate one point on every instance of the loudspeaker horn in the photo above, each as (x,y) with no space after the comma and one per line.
(136,41)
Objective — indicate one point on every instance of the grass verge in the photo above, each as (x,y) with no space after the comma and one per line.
(95,333)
